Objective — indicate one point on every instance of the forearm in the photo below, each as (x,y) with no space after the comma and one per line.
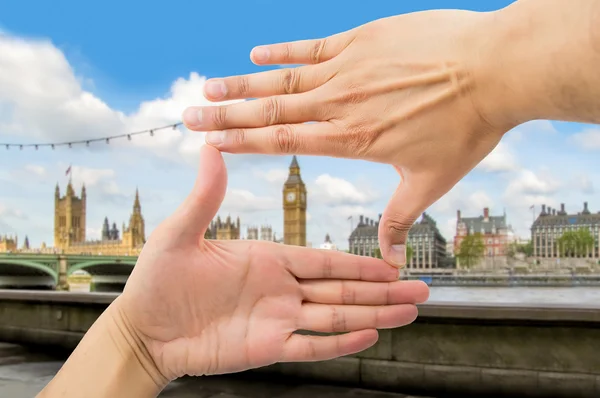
(108,362)
(543,60)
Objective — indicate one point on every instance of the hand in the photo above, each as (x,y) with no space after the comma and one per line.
(406,91)
(202,307)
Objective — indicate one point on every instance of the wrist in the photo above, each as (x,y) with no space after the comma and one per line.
(135,356)
(532,61)
(110,361)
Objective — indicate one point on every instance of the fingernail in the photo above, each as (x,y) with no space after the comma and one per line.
(215,89)
(398,255)
(261,54)
(192,117)
(215,137)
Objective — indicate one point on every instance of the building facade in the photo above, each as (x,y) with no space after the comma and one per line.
(265,232)
(427,243)
(8,244)
(225,230)
(70,222)
(551,224)
(364,239)
(328,244)
(294,207)
(494,230)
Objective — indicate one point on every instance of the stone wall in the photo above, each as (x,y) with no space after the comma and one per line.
(464,350)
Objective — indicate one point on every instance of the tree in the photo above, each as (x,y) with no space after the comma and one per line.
(575,243)
(526,249)
(471,250)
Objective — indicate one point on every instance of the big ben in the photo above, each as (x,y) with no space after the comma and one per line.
(294,207)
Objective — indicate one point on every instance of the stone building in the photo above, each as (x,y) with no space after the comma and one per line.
(427,243)
(551,223)
(8,244)
(70,224)
(225,230)
(264,233)
(364,240)
(294,207)
(328,244)
(494,230)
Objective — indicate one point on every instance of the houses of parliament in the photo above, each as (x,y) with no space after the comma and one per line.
(70,224)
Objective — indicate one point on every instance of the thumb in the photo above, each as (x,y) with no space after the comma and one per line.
(403,209)
(193,217)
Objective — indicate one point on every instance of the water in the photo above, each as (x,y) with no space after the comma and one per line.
(520,295)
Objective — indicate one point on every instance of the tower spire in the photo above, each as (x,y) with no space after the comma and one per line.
(136,203)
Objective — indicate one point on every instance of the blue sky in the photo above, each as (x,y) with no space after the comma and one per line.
(131,65)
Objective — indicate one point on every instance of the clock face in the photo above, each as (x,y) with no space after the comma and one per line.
(290,197)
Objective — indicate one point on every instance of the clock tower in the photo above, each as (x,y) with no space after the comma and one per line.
(294,207)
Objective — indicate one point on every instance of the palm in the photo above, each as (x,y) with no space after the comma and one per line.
(209,307)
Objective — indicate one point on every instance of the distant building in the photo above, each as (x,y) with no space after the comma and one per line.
(8,243)
(427,243)
(328,245)
(450,248)
(364,239)
(551,224)
(70,215)
(224,230)
(265,233)
(494,230)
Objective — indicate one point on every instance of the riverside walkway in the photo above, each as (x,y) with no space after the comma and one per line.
(23,373)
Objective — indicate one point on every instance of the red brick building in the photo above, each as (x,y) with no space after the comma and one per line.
(495,231)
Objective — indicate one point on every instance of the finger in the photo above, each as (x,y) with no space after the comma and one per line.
(266,84)
(295,108)
(303,348)
(192,218)
(307,263)
(410,199)
(347,318)
(306,138)
(364,293)
(303,51)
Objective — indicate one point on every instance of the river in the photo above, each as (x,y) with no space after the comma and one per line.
(520,295)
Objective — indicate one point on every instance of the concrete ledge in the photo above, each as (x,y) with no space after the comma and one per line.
(427,312)
(414,378)
(461,349)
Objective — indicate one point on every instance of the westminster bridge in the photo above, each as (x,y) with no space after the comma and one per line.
(50,271)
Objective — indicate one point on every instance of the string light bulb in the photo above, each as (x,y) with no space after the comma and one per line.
(107,139)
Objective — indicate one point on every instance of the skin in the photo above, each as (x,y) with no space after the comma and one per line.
(430,93)
(199,307)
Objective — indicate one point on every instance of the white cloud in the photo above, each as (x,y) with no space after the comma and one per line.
(273,176)
(529,183)
(42,100)
(501,159)
(242,201)
(10,212)
(588,139)
(585,184)
(337,191)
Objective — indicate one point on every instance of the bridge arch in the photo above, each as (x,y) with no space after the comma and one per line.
(93,263)
(31,264)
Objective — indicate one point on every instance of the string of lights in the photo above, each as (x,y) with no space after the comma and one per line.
(89,141)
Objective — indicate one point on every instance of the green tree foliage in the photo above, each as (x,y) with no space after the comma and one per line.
(575,243)
(471,250)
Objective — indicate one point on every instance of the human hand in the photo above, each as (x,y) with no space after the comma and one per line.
(200,307)
(409,91)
